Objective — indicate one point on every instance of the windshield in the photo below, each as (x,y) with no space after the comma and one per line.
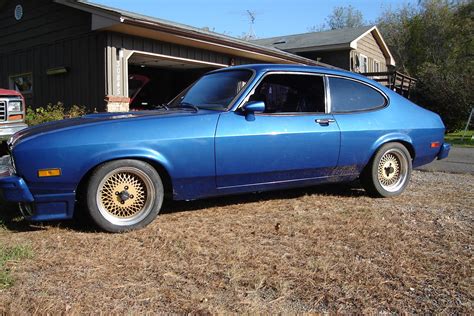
(214,91)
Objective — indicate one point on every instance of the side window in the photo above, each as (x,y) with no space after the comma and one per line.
(349,96)
(290,93)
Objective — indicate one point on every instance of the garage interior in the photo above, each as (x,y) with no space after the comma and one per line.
(154,80)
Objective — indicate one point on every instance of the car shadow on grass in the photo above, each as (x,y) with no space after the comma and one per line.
(350,189)
(11,218)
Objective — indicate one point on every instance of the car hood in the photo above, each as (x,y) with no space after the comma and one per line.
(99,118)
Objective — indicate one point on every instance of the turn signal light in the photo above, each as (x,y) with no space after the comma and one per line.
(49,173)
(17,117)
(435,144)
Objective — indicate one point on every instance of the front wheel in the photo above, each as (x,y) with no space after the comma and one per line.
(389,171)
(124,195)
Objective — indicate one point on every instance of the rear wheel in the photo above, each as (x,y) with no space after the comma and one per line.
(124,195)
(389,171)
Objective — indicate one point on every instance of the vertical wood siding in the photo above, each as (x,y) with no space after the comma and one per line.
(43,22)
(84,83)
(116,41)
(52,35)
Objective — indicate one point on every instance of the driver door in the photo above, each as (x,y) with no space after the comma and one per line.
(293,140)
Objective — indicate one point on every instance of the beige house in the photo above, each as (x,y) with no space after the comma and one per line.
(359,49)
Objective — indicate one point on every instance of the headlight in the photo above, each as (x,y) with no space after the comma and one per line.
(14,106)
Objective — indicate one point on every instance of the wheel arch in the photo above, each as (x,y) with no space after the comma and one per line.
(162,167)
(403,139)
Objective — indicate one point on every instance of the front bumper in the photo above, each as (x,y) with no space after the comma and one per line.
(444,151)
(6,131)
(35,207)
(12,187)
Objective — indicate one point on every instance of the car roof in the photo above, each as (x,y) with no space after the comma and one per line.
(262,68)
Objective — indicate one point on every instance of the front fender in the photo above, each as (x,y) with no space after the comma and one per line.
(129,153)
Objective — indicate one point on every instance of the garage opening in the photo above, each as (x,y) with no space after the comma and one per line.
(154,80)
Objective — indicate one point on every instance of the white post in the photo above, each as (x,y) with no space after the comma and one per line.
(467,125)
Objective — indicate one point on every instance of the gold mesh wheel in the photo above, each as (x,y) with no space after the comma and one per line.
(392,170)
(125,196)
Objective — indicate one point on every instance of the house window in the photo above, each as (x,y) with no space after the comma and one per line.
(22,83)
(364,63)
(376,66)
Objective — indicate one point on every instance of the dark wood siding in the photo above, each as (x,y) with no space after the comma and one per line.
(52,35)
(43,22)
(340,58)
(84,84)
(129,42)
(115,41)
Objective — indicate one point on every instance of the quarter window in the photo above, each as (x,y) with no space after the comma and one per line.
(290,93)
(350,96)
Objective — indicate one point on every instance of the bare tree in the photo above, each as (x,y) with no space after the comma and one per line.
(341,17)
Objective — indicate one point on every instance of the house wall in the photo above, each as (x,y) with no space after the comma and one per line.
(84,82)
(339,58)
(49,36)
(369,47)
(43,22)
(117,73)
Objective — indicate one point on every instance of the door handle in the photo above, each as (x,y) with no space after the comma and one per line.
(324,122)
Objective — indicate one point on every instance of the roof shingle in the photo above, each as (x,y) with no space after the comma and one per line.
(312,39)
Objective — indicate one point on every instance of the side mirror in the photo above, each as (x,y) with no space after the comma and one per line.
(251,107)
(254,106)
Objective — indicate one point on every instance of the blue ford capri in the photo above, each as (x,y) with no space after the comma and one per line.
(241,129)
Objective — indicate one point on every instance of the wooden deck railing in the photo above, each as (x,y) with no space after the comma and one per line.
(394,80)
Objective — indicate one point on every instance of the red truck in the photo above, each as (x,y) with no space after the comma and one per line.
(12,113)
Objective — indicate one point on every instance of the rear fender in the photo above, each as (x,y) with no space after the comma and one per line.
(387,138)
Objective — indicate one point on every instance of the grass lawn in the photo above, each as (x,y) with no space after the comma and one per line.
(8,256)
(455,138)
(324,249)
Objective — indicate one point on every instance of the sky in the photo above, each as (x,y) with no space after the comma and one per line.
(272,17)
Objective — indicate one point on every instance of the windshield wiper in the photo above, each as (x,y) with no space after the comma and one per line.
(189,105)
(162,106)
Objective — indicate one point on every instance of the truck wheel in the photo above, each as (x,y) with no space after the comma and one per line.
(389,171)
(124,195)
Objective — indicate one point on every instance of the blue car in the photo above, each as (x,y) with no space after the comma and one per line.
(241,129)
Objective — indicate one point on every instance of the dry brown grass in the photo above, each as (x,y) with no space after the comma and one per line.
(322,249)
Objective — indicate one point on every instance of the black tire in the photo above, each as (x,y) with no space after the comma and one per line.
(388,172)
(124,195)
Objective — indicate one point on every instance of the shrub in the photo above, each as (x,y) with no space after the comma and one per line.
(52,112)
(446,91)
